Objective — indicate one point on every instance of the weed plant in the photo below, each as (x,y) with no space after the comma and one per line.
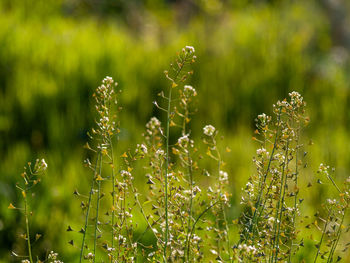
(31,177)
(187,217)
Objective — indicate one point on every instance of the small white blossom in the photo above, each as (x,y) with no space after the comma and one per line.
(189,91)
(90,255)
(213,251)
(126,174)
(295,98)
(262,152)
(43,164)
(323,169)
(331,201)
(190,49)
(152,125)
(141,148)
(183,140)
(209,130)
(223,176)
(159,153)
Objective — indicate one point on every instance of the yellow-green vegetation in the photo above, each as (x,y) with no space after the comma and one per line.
(250,55)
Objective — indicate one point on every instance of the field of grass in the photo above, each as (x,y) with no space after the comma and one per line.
(248,56)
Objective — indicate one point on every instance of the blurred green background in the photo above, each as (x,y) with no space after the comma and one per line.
(54,53)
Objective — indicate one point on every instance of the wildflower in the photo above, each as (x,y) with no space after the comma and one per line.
(213,251)
(159,153)
(90,255)
(323,169)
(223,176)
(183,140)
(263,119)
(189,91)
(52,255)
(196,190)
(43,164)
(331,201)
(153,125)
(189,49)
(141,148)
(279,157)
(295,99)
(126,174)
(283,104)
(209,130)
(262,152)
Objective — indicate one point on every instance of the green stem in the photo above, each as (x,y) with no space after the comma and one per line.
(88,210)
(297,190)
(194,224)
(167,163)
(191,204)
(334,245)
(166,177)
(277,223)
(113,196)
(97,208)
(27,227)
(257,204)
(323,232)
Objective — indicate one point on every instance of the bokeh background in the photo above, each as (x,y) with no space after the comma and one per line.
(54,53)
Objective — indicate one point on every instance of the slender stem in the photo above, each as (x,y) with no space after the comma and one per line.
(334,184)
(88,209)
(191,204)
(97,207)
(166,177)
(323,233)
(334,245)
(281,199)
(194,224)
(296,187)
(167,163)
(27,227)
(113,196)
(222,207)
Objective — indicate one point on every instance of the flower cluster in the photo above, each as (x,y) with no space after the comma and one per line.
(271,195)
(209,130)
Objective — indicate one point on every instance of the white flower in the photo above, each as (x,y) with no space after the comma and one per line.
(43,164)
(141,148)
(196,189)
(262,152)
(183,140)
(90,255)
(190,49)
(209,130)
(189,91)
(126,174)
(263,119)
(213,251)
(196,238)
(153,124)
(295,98)
(323,169)
(279,157)
(159,153)
(331,201)
(52,255)
(223,176)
